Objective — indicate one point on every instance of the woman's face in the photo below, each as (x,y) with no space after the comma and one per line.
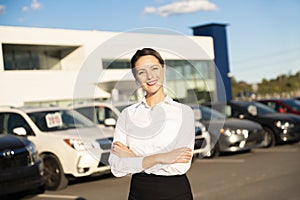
(149,73)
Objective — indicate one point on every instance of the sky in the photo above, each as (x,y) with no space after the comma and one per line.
(263,35)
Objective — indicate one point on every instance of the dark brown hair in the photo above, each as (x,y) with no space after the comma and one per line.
(146,52)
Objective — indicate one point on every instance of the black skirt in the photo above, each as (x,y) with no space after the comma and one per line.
(155,187)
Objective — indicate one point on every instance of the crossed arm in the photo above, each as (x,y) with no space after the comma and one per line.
(179,155)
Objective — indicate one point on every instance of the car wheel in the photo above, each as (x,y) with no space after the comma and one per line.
(269,138)
(214,152)
(55,178)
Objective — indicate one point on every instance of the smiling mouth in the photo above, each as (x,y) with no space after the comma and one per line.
(151,83)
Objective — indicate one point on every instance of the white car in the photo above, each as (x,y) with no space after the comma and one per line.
(69,144)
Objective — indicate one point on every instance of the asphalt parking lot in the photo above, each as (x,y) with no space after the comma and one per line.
(261,174)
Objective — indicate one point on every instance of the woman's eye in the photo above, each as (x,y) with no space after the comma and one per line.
(141,73)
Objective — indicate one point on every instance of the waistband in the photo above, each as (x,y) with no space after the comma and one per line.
(144,174)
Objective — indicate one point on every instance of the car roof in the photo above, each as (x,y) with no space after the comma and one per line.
(87,104)
(30,109)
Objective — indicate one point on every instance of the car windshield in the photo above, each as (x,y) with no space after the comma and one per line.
(255,108)
(294,103)
(209,114)
(57,120)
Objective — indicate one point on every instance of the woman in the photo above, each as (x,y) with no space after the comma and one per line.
(154,138)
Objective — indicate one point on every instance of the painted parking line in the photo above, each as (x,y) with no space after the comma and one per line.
(56,196)
(221,160)
(276,150)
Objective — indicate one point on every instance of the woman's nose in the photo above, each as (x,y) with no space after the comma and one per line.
(149,74)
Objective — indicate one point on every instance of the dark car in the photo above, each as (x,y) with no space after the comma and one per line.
(283,105)
(229,135)
(280,127)
(20,168)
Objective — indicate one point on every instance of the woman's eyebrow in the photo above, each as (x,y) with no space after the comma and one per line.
(142,69)
(147,66)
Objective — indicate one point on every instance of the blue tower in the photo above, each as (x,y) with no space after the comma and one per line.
(218,33)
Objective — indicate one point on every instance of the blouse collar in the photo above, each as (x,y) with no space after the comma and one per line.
(167,100)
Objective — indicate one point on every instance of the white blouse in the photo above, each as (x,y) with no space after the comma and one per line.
(165,127)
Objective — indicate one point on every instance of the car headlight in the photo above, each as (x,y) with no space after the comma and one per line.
(283,125)
(76,144)
(229,132)
(242,131)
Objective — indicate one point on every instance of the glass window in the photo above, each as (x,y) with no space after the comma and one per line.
(57,120)
(104,113)
(34,57)
(10,121)
(88,112)
(294,104)
(190,69)
(191,80)
(115,64)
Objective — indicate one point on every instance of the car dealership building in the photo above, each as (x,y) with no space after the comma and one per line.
(42,66)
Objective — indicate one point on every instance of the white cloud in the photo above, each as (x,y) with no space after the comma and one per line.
(35,5)
(25,8)
(2,9)
(182,7)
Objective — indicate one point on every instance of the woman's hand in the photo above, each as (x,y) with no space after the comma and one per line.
(121,150)
(180,155)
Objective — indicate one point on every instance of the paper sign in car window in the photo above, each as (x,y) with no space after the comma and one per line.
(54,120)
(252,110)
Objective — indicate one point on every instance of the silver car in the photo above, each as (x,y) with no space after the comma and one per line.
(229,134)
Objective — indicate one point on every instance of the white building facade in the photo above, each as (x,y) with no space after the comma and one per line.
(40,66)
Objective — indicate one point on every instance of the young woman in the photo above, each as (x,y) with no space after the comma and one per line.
(154,139)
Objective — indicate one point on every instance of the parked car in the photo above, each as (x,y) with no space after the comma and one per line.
(280,127)
(103,114)
(229,135)
(106,115)
(283,105)
(69,144)
(21,168)
(202,141)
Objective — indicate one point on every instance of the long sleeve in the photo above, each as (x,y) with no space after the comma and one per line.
(123,166)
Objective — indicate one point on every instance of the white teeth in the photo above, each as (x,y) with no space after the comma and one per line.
(151,83)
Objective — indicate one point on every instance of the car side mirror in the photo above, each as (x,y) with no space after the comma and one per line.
(21,131)
(110,122)
(241,116)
